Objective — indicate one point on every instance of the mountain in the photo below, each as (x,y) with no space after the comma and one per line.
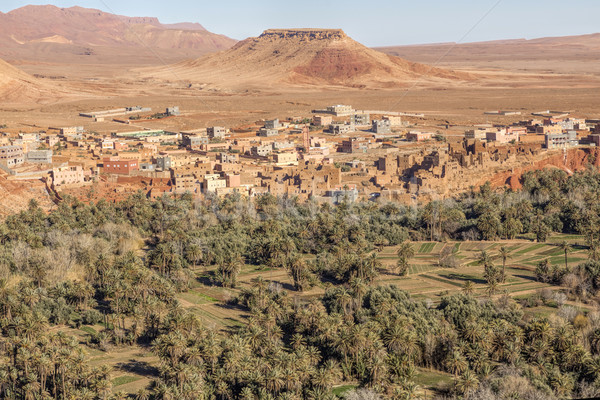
(300,57)
(76,34)
(579,53)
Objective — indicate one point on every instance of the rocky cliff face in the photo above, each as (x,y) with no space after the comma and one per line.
(141,20)
(576,159)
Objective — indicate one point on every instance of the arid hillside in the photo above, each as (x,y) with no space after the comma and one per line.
(300,57)
(18,86)
(567,54)
(82,35)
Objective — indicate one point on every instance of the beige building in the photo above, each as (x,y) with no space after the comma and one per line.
(71,130)
(286,159)
(340,110)
(477,133)
(67,175)
(322,120)
(549,129)
(394,121)
(12,156)
(211,185)
(502,136)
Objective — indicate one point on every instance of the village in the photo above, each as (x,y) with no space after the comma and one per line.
(331,155)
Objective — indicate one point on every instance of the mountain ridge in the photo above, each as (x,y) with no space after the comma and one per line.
(76,32)
(585,46)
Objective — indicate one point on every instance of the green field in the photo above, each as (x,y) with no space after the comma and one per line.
(426,279)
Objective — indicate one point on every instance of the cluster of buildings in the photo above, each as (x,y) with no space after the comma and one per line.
(557,132)
(24,148)
(439,170)
(341,154)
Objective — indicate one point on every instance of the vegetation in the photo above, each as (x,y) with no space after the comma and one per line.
(116,274)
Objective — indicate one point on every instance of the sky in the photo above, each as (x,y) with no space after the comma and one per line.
(371,22)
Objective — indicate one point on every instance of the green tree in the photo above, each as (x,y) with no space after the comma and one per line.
(298,271)
(512,227)
(467,383)
(566,248)
(540,229)
(505,254)
(468,287)
(489,225)
(405,252)
(542,271)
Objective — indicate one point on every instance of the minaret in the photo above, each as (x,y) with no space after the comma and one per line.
(306,138)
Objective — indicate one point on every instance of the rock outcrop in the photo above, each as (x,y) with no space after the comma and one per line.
(302,34)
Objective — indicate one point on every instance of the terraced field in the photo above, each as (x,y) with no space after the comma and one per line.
(426,279)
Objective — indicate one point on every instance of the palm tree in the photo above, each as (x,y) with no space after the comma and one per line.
(275,380)
(593,366)
(566,248)
(359,289)
(142,394)
(562,384)
(468,287)
(103,388)
(491,273)
(594,248)
(194,253)
(505,254)
(394,337)
(297,269)
(542,271)
(473,331)
(456,363)
(484,259)
(405,252)
(246,394)
(327,375)
(512,227)
(230,267)
(467,383)
(492,287)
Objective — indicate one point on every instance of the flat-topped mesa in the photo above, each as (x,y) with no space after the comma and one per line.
(303,34)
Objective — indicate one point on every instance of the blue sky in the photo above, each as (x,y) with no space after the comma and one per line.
(373,23)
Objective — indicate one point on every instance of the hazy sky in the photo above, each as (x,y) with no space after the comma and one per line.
(371,22)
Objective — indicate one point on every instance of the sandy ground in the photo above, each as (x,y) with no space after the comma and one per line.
(457,105)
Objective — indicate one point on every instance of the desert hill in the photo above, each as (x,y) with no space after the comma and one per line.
(300,57)
(76,34)
(566,54)
(17,86)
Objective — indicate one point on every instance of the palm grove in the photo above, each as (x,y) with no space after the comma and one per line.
(121,265)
